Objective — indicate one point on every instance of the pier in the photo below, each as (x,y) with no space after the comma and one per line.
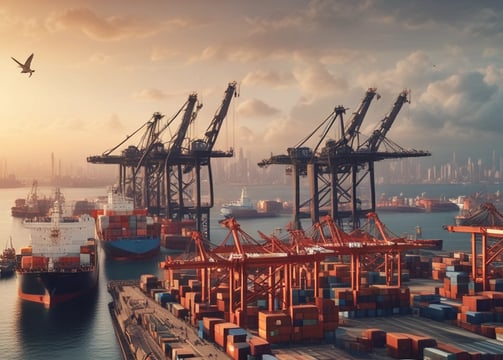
(130,304)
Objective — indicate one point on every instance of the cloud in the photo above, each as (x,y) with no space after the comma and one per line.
(270,78)
(256,108)
(315,80)
(458,99)
(99,58)
(99,28)
(114,123)
(487,23)
(151,95)
(161,53)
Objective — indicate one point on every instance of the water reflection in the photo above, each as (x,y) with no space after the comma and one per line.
(56,333)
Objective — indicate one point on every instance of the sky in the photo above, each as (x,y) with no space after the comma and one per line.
(103,68)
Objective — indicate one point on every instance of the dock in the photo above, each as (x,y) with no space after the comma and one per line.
(145,329)
(138,343)
(130,305)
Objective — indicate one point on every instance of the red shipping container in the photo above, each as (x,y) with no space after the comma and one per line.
(221,332)
(419,343)
(460,354)
(209,327)
(259,346)
(399,345)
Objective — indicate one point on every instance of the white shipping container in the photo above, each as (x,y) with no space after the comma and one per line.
(85,259)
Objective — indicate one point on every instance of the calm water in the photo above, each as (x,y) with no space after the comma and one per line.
(83,329)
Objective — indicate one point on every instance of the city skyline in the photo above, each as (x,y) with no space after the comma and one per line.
(243,169)
(103,68)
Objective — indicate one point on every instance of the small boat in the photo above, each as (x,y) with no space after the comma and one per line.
(244,208)
(126,233)
(61,261)
(33,205)
(8,261)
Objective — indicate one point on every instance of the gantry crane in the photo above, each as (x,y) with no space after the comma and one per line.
(141,166)
(337,172)
(301,161)
(351,167)
(269,270)
(166,177)
(490,247)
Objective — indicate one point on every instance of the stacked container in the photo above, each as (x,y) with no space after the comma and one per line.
(275,327)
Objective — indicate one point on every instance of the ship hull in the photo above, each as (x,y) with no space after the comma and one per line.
(131,248)
(7,268)
(176,242)
(53,288)
(400,209)
(246,213)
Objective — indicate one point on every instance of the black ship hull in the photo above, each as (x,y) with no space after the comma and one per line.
(53,288)
(7,268)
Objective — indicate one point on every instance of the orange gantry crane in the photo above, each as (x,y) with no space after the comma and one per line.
(272,268)
(491,248)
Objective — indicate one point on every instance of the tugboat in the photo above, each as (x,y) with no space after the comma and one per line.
(33,205)
(61,262)
(8,261)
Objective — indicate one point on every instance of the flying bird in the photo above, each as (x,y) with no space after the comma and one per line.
(26,67)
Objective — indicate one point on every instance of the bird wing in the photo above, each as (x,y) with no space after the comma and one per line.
(28,61)
(17,62)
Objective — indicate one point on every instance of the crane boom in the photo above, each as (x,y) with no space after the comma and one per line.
(188,118)
(374,141)
(210,136)
(356,120)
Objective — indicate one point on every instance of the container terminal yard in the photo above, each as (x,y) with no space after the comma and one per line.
(336,290)
(242,300)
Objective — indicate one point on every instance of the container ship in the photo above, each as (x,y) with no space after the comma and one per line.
(244,208)
(124,232)
(398,204)
(415,205)
(61,263)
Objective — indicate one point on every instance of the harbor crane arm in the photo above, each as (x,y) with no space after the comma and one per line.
(150,139)
(379,135)
(353,127)
(188,117)
(153,136)
(210,136)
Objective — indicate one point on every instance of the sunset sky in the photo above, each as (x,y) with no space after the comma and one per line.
(102,68)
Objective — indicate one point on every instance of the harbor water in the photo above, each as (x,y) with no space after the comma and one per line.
(83,329)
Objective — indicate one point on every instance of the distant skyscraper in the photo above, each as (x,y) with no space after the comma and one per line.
(52,166)
(494,162)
